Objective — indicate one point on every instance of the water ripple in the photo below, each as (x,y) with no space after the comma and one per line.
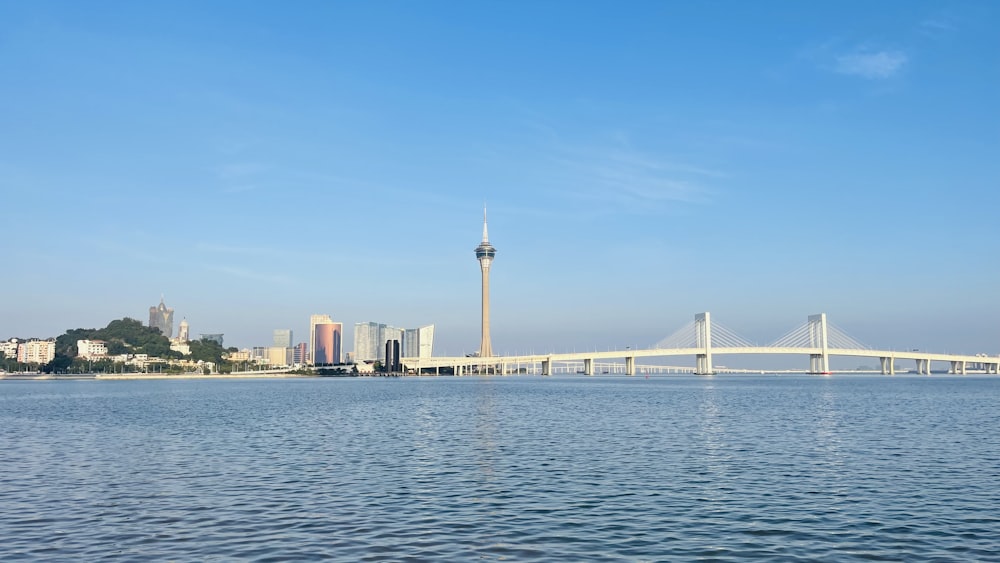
(597,469)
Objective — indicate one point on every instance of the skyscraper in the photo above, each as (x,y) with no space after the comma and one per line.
(326,342)
(313,321)
(418,342)
(485,253)
(183,331)
(368,341)
(283,337)
(426,341)
(162,317)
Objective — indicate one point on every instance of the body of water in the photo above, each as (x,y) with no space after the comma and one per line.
(516,468)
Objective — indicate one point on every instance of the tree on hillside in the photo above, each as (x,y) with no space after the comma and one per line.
(121,336)
(66,343)
(206,350)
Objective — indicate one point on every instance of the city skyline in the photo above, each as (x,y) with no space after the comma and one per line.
(764,162)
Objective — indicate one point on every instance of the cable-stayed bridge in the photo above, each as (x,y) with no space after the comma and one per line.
(703,340)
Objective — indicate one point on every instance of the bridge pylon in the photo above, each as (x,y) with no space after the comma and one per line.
(818,338)
(703,340)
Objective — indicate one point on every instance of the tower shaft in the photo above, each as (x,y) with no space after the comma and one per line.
(485,348)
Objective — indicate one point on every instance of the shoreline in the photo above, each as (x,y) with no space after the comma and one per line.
(143,376)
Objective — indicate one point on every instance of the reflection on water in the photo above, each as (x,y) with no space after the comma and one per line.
(724,468)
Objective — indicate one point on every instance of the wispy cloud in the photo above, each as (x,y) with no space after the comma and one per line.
(633,180)
(871,64)
(936,27)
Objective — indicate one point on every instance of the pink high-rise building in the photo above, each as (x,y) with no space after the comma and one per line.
(326,343)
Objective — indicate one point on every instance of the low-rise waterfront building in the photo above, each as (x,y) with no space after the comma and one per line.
(8,349)
(279,356)
(243,355)
(91,349)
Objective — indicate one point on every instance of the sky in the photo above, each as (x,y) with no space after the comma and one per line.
(641,162)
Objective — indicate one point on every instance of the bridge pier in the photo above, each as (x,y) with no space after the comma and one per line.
(546,367)
(588,366)
(957,367)
(888,366)
(703,339)
(629,365)
(818,338)
(923,366)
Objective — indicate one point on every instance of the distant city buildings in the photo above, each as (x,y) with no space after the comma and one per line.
(370,339)
(279,356)
(162,317)
(300,353)
(36,351)
(283,337)
(91,349)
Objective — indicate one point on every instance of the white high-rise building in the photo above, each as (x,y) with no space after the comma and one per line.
(418,342)
(426,341)
(369,339)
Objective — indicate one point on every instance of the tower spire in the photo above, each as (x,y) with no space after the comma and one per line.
(486,237)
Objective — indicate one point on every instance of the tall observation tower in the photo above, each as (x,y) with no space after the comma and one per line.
(485,253)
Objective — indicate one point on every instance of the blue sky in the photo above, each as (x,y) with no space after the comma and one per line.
(642,162)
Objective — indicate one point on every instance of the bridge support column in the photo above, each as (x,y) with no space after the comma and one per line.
(546,367)
(923,366)
(888,366)
(629,365)
(588,366)
(818,363)
(703,340)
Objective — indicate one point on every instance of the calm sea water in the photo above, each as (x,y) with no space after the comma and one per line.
(632,469)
